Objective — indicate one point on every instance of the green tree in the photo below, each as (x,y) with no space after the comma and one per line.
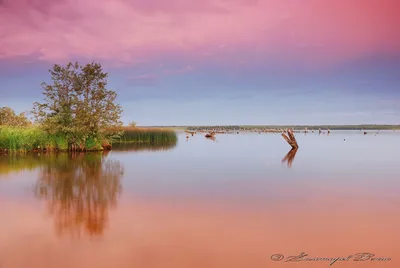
(9,118)
(78,105)
(132,124)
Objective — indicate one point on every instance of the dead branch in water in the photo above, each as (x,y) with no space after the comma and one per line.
(290,139)
(289,157)
(210,135)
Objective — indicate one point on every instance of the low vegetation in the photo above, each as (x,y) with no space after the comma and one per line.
(147,136)
(29,138)
(36,139)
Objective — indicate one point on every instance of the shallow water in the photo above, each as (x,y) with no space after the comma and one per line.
(231,202)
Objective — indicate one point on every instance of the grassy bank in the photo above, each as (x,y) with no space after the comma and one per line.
(30,138)
(35,139)
(147,136)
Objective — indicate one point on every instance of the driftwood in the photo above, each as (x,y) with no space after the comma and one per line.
(190,132)
(289,157)
(289,137)
(210,135)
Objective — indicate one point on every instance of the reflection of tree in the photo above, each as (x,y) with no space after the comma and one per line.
(289,157)
(79,190)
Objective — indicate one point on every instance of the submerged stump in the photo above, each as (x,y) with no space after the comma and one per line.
(290,138)
(210,135)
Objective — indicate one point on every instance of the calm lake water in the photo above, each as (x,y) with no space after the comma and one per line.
(231,203)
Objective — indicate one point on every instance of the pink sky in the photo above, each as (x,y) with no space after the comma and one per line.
(132,31)
(341,57)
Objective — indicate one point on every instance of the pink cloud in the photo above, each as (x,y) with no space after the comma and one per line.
(143,80)
(183,70)
(131,31)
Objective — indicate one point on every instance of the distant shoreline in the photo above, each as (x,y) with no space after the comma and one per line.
(295,127)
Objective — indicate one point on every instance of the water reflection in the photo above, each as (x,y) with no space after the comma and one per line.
(16,162)
(211,138)
(79,190)
(144,146)
(289,157)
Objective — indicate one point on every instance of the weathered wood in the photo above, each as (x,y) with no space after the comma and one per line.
(210,135)
(290,139)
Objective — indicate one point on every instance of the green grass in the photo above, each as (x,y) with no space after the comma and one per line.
(147,135)
(33,138)
(29,138)
(24,139)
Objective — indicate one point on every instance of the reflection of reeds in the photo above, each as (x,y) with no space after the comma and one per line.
(19,161)
(289,157)
(145,146)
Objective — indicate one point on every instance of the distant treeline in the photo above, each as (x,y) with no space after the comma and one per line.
(294,127)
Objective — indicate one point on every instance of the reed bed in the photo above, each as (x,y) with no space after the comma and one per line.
(29,138)
(147,135)
(23,139)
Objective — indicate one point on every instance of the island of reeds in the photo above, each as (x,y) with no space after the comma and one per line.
(78,113)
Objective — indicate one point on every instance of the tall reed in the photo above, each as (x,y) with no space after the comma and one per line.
(29,138)
(33,138)
(147,135)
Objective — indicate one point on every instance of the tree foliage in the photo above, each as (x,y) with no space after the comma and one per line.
(78,104)
(9,118)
